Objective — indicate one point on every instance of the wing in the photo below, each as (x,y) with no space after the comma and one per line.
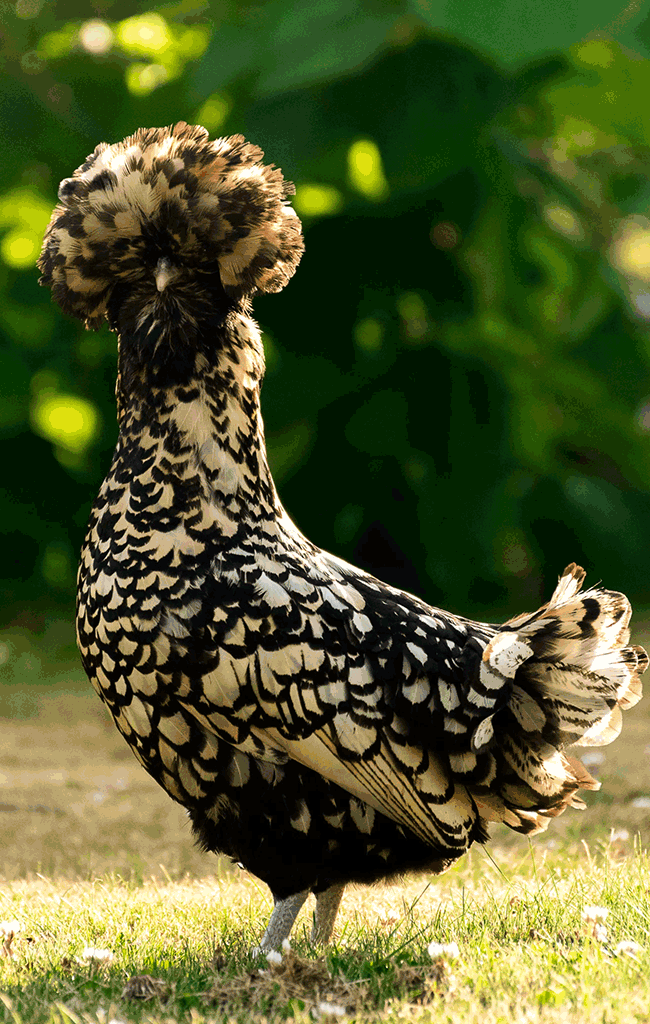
(360,683)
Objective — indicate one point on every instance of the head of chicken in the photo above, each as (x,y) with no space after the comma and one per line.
(164,217)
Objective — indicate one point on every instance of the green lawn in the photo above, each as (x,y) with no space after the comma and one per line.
(96,857)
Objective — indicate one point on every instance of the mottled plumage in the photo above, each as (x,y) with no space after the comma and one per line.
(318,725)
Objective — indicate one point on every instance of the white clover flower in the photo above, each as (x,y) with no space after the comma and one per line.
(595,914)
(286,945)
(325,1009)
(92,953)
(627,948)
(274,957)
(449,950)
(9,928)
(102,1017)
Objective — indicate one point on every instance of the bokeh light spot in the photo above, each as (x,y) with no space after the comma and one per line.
(214,112)
(369,335)
(96,36)
(145,34)
(414,315)
(20,250)
(365,170)
(25,214)
(65,420)
(317,200)
(630,250)
(445,235)
(141,79)
(55,45)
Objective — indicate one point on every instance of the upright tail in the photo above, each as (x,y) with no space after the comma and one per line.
(570,673)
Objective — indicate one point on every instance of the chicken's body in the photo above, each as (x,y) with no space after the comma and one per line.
(318,725)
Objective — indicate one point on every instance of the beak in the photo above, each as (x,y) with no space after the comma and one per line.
(164,273)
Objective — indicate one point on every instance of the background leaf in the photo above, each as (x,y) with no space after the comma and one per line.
(458,387)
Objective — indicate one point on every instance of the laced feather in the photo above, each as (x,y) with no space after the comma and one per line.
(318,725)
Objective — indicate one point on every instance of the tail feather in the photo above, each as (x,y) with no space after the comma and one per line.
(624,666)
(604,731)
(568,672)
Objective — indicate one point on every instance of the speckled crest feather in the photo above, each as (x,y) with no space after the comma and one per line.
(213,202)
(318,725)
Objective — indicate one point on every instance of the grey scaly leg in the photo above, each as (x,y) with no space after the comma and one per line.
(284,914)
(327,904)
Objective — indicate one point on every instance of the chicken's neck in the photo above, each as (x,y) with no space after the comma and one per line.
(190,417)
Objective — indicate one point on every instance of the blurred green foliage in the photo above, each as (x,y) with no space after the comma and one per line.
(458,384)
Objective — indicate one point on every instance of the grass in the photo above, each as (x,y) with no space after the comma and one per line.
(524,950)
(100,872)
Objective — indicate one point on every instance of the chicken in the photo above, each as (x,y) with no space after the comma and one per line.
(319,726)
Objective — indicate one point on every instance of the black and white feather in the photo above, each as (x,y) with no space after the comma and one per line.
(319,726)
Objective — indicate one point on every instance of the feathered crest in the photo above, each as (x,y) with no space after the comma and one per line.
(172,191)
